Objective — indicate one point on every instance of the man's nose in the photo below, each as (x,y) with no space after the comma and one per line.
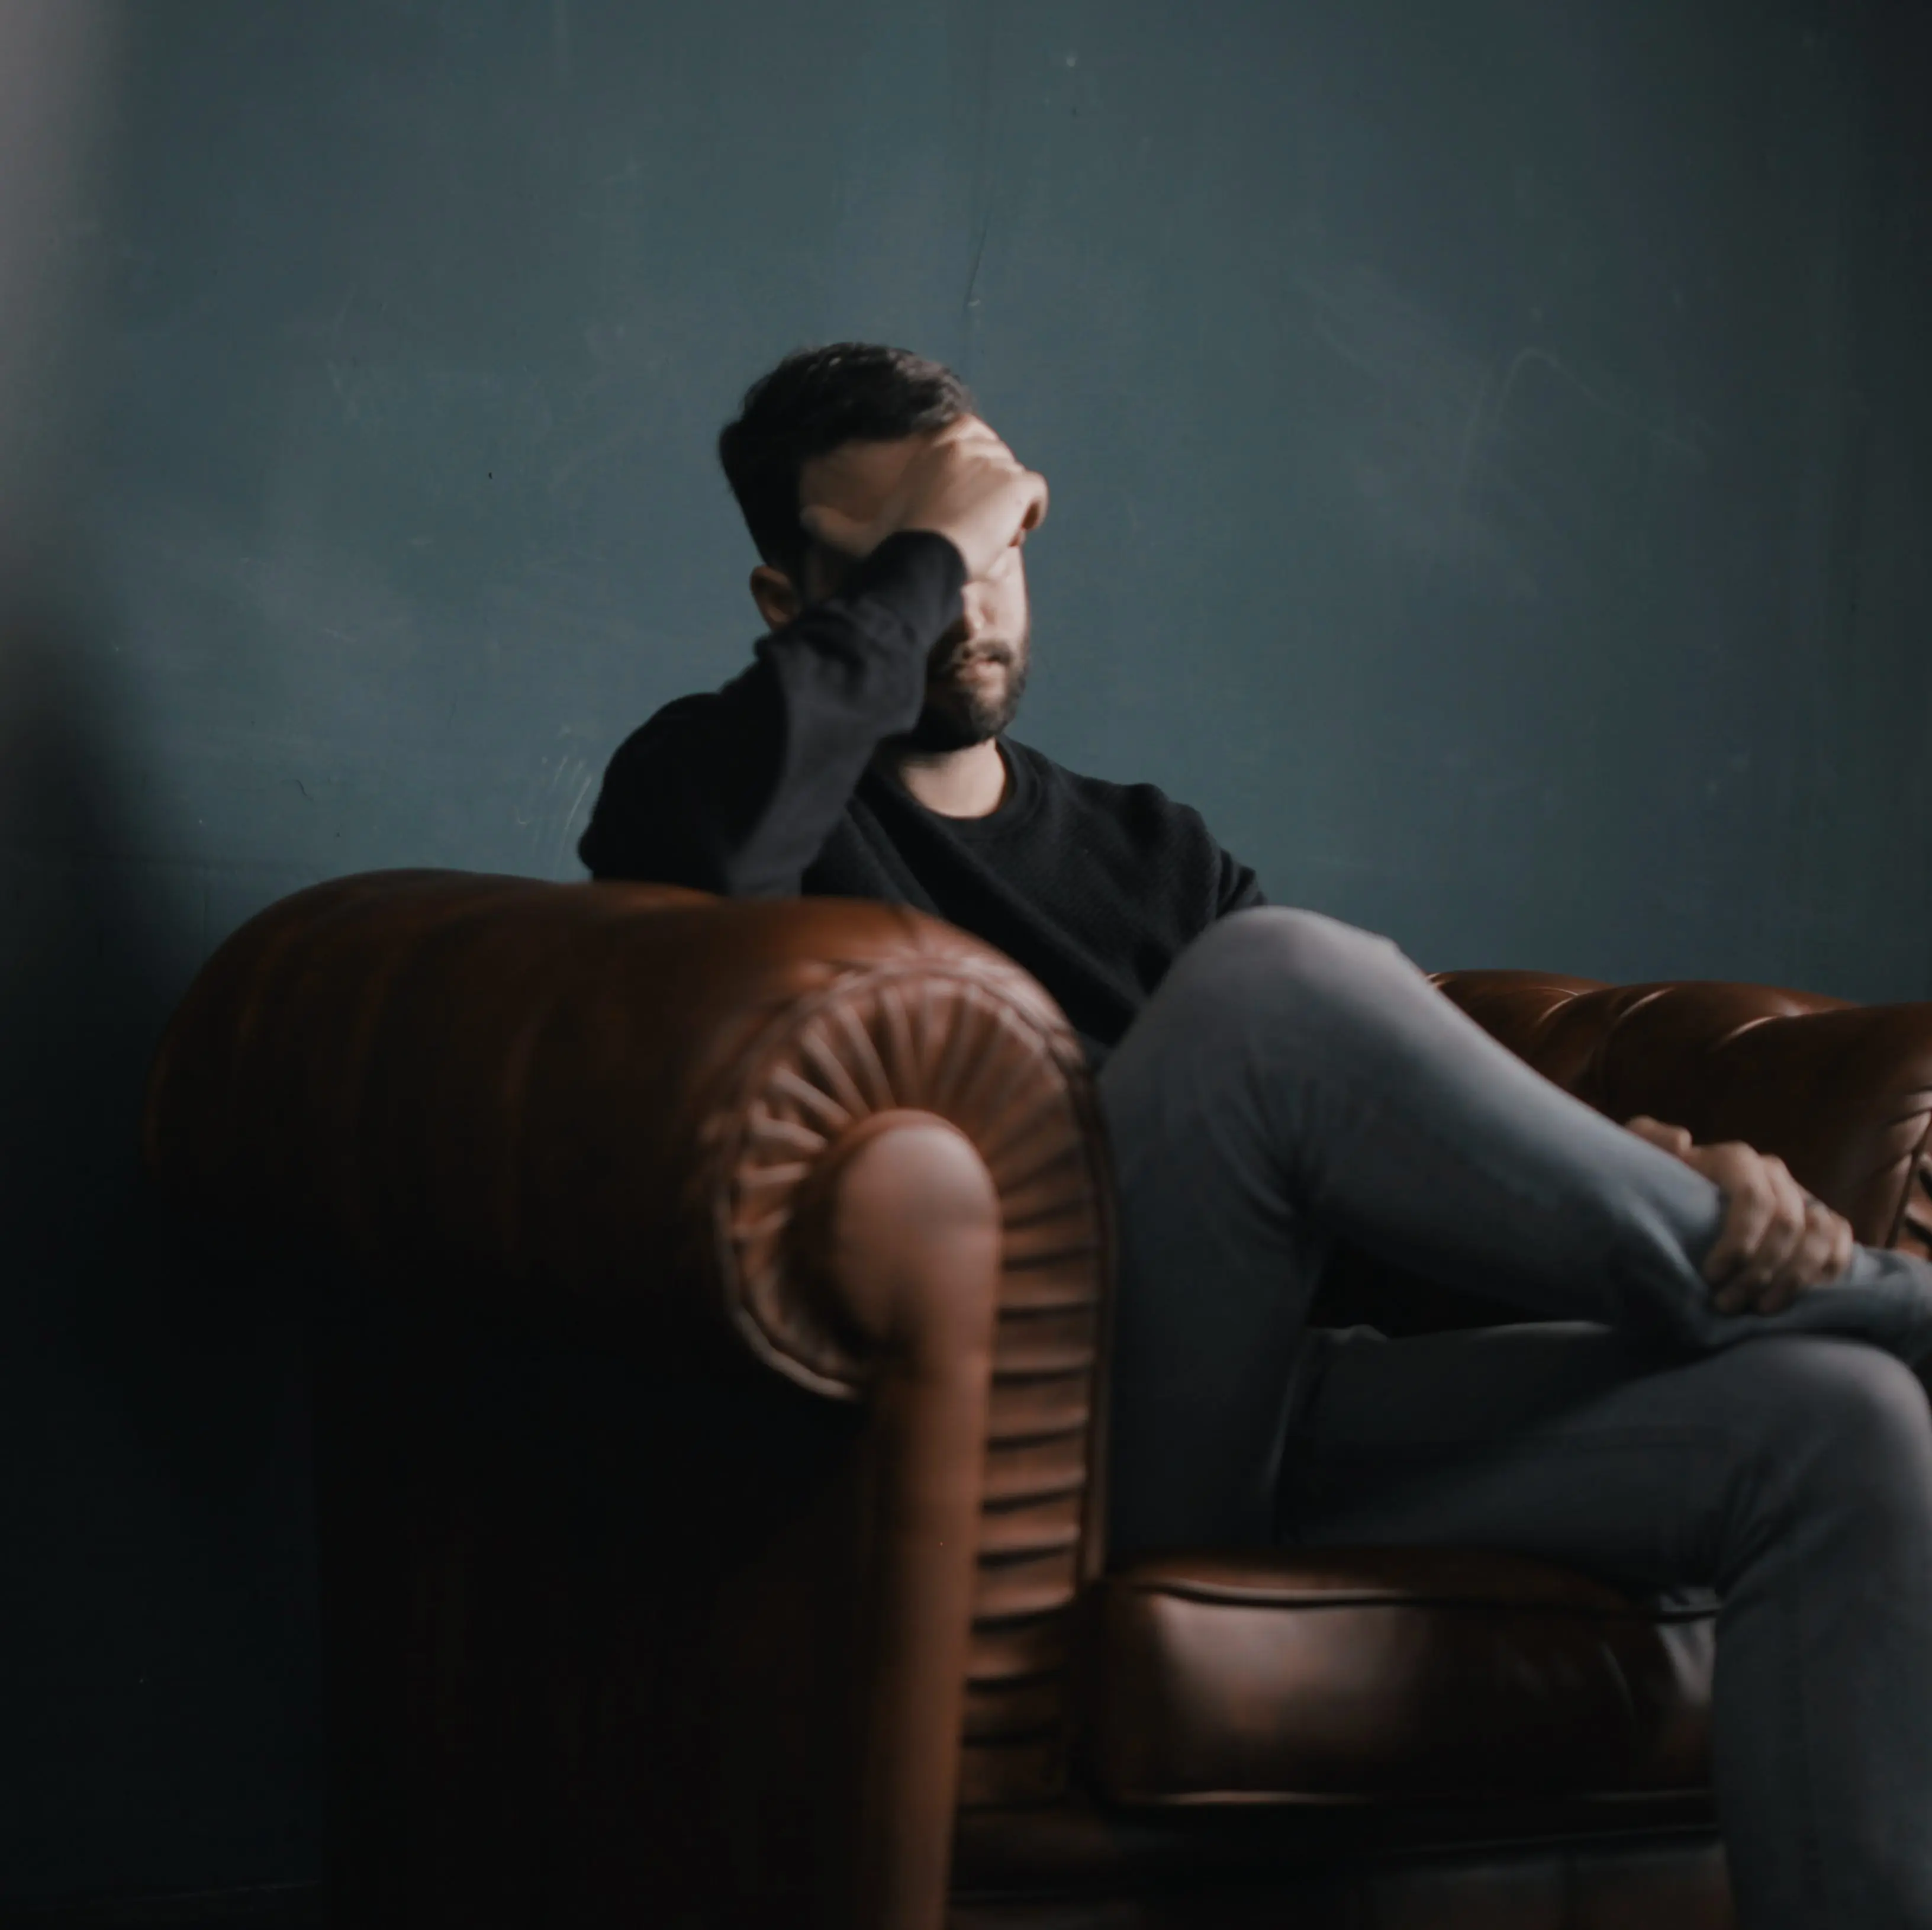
(976,612)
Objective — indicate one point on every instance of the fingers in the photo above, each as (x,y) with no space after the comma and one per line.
(1785,1267)
(969,429)
(967,441)
(1777,1241)
(1747,1208)
(967,485)
(1672,1139)
(1763,1219)
(1822,1253)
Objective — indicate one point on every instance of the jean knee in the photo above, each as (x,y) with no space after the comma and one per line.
(1279,946)
(1841,1417)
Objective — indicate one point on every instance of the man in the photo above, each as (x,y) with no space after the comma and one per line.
(1720,1399)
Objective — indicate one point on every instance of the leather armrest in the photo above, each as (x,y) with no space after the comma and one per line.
(600,1096)
(1842,1093)
(642,1109)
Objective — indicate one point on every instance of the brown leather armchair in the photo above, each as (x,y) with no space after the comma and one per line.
(711,1301)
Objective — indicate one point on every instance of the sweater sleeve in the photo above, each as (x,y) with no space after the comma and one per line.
(1236,887)
(735,791)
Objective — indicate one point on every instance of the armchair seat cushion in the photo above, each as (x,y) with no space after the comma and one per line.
(1390,1676)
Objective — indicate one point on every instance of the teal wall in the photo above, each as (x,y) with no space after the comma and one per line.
(1490,454)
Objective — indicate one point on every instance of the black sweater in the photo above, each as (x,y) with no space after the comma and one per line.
(767,788)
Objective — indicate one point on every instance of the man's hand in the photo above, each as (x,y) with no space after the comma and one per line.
(1777,1241)
(961,482)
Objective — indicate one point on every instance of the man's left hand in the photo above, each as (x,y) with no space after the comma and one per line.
(1777,1241)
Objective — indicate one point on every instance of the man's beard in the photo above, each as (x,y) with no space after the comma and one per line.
(959,715)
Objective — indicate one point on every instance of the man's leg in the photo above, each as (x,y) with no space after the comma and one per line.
(1293,1079)
(1793,1475)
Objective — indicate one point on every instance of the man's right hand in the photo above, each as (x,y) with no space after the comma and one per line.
(1777,1241)
(961,482)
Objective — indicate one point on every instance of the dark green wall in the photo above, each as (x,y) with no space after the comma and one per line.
(1489,447)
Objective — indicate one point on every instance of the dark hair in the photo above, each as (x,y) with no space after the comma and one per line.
(815,400)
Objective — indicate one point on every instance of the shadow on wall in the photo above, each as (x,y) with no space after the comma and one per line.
(95,946)
(152,1384)
(159,1677)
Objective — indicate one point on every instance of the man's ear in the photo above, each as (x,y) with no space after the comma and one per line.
(775,595)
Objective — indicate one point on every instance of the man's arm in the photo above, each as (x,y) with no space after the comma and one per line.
(736,791)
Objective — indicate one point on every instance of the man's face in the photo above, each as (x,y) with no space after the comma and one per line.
(977,670)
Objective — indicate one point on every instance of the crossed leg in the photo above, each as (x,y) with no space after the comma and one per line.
(1293,1080)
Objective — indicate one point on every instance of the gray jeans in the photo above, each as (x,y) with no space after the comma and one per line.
(1293,1080)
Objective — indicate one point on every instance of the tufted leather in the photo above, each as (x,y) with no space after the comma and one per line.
(541,1083)
(1363,1675)
(644,1439)
(1843,1094)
